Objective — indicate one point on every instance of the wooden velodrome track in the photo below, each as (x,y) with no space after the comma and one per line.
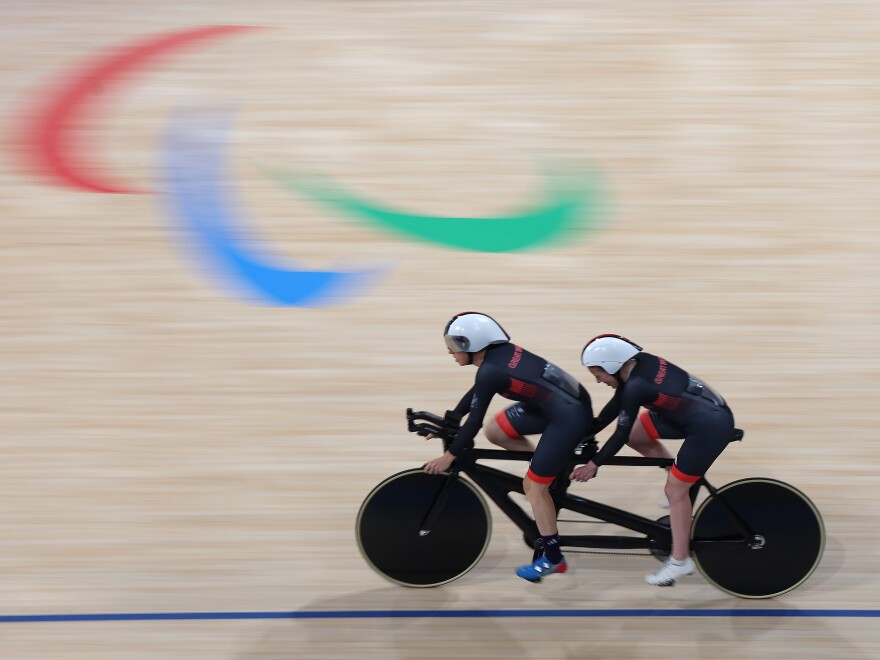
(169,447)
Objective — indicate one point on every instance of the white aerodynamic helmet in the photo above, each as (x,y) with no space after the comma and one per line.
(471,332)
(609,352)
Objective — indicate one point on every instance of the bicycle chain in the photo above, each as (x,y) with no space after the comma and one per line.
(616,553)
(579,551)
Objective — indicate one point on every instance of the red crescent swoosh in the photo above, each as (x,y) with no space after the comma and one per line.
(50,135)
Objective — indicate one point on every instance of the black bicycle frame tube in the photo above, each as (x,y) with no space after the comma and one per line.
(498,485)
(748,536)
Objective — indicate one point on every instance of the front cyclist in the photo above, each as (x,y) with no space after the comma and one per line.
(552,403)
(678,406)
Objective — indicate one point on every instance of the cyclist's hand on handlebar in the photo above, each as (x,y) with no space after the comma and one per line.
(439,465)
(584,472)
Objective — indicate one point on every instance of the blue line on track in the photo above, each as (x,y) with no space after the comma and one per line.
(432,614)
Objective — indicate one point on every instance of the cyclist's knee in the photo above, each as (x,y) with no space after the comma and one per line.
(640,438)
(640,444)
(495,434)
(534,488)
(506,438)
(678,485)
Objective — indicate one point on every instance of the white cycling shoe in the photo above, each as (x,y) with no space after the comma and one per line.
(670,572)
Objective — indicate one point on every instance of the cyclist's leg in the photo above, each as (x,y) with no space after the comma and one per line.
(677,491)
(707,436)
(679,563)
(538,494)
(678,487)
(551,559)
(555,446)
(509,426)
(645,437)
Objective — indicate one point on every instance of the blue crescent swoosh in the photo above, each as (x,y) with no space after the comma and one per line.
(199,194)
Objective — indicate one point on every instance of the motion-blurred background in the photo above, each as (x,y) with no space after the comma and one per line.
(228,256)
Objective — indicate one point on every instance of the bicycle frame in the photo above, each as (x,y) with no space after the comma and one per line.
(498,485)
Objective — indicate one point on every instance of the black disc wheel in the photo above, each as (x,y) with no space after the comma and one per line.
(785,543)
(390,528)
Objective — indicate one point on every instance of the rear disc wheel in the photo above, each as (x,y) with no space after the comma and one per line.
(786,547)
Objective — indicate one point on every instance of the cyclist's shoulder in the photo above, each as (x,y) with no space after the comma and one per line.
(502,355)
(507,360)
(654,368)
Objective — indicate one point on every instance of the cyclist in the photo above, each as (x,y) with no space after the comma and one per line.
(678,405)
(551,402)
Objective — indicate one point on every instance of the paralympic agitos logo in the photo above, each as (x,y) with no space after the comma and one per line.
(198,197)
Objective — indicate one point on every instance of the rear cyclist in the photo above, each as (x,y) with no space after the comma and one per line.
(678,406)
(552,403)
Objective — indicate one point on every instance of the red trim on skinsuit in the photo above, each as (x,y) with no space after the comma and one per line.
(505,425)
(538,479)
(648,423)
(526,389)
(667,402)
(681,476)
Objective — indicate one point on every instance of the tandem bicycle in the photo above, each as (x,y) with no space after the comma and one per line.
(752,538)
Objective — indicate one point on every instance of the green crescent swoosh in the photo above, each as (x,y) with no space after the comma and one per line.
(569,203)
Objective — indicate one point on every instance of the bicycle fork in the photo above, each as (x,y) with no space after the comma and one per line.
(754,541)
(438,504)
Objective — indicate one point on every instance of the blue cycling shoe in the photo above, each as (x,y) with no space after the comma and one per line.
(540,568)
